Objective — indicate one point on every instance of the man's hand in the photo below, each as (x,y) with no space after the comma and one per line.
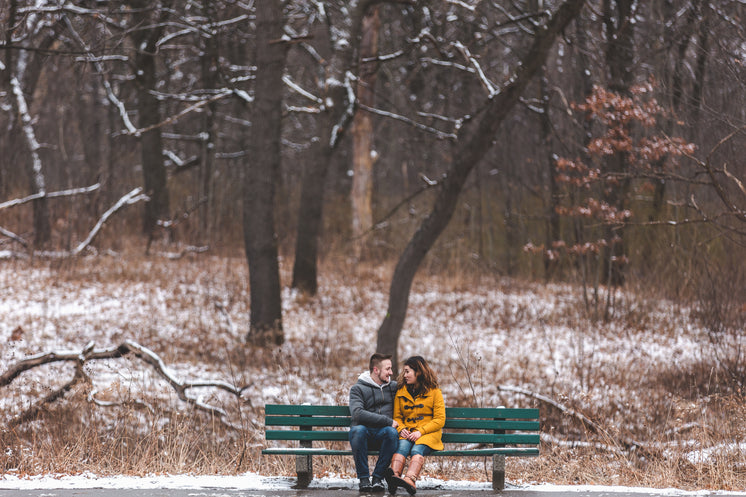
(395,424)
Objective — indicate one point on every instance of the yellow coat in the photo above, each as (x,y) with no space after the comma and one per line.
(426,414)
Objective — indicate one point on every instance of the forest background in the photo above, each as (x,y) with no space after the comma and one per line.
(589,142)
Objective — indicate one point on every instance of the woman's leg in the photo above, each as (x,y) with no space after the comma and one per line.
(418,453)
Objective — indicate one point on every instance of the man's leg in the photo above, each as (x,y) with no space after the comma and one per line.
(388,438)
(359,445)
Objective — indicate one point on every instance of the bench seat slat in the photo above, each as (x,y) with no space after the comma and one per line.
(474,424)
(330,436)
(320,451)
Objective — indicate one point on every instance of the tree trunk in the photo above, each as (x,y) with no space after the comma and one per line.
(148,109)
(209,66)
(695,102)
(22,77)
(363,156)
(260,238)
(310,211)
(618,21)
(552,214)
(478,138)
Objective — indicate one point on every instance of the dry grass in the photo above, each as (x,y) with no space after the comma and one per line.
(681,412)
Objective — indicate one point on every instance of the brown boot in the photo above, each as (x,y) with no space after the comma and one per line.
(394,471)
(413,472)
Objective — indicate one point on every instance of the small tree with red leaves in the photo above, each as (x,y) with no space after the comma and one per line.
(626,155)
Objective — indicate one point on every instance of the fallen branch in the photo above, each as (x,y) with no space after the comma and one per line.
(629,444)
(33,412)
(191,249)
(90,353)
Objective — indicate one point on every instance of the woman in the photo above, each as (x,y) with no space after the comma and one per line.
(420,413)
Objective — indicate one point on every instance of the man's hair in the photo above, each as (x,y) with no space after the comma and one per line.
(376,360)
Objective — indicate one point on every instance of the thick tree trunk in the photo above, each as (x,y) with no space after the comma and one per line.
(336,60)
(148,109)
(477,140)
(363,157)
(261,175)
(310,211)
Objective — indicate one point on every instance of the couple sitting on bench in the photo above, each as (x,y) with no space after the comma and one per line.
(399,418)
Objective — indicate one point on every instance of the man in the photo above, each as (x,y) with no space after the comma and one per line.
(373,425)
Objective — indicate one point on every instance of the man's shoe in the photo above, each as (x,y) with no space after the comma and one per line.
(377,485)
(365,486)
(389,475)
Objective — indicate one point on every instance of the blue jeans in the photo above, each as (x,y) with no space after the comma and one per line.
(407,448)
(363,438)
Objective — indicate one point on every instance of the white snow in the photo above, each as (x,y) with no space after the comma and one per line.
(477,338)
(252,481)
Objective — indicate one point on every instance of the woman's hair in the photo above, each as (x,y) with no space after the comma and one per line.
(426,377)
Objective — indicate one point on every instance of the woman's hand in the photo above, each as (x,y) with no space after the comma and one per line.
(405,434)
(413,436)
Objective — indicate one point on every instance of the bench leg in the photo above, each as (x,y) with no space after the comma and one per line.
(498,472)
(304,470)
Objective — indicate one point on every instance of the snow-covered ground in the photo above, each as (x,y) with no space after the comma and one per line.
(255,482)
(478,335)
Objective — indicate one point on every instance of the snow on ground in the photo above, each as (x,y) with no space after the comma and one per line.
(497,333)
(255,482)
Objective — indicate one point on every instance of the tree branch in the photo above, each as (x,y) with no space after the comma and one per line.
(89,353)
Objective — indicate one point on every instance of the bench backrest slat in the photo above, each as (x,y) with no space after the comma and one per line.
(306,435)
(308,410)
(491,413)
(491,424)
(492,438)
(306,421)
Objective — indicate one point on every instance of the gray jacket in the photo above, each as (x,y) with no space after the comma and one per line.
(372,404)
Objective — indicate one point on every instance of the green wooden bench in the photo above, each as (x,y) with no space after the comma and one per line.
(469,431)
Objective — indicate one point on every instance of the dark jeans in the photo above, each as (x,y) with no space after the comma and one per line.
(364,438)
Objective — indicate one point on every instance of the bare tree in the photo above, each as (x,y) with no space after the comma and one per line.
(149,22)
(260,237)
(331,61)
(364,154)
(474,140)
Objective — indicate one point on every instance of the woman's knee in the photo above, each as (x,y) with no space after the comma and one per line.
(405,446)
(421,450)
